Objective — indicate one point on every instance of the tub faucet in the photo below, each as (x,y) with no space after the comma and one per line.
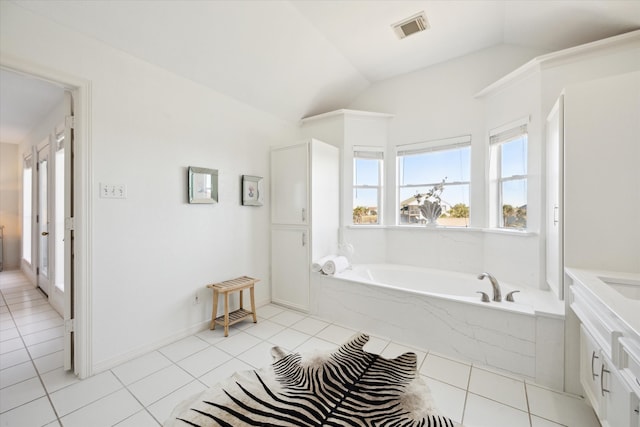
(497,295)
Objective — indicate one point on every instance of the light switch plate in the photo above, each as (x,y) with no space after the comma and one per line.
(113,191)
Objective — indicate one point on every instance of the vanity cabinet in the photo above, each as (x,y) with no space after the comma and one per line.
(304,216)
(609,355)
(609,394)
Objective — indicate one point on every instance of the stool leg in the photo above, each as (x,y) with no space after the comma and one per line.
(214,310)
(226,314)
(241,295)
(253,305)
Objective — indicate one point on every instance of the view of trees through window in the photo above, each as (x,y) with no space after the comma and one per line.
(420,172)
(446,167)
(367,188)
(512,180)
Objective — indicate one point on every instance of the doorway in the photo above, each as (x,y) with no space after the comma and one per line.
(51,262)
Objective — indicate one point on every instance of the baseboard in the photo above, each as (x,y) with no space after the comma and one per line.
(141,351)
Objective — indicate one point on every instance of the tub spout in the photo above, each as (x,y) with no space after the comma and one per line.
(497,295)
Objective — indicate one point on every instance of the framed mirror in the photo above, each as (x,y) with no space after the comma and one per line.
(203,185)
(252,190)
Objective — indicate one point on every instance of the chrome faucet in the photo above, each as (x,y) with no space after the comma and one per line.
(497,295)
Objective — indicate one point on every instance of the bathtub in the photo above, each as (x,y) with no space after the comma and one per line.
(440,311)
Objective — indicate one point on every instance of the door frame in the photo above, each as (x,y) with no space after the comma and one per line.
(82,194)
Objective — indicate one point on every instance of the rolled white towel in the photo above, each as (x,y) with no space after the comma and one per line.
(317,266)
(336,265)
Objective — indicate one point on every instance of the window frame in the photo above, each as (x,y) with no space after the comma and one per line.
(438,145)
(497,139)
(369,153)
(27,209)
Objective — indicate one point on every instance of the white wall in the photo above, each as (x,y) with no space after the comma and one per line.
(10,182)
(151,252)
(602,174)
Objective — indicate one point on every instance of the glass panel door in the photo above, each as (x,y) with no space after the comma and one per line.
(43,219)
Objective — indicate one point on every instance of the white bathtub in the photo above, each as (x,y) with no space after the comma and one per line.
(440,311)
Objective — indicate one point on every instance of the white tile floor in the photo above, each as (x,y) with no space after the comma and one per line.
(35,391)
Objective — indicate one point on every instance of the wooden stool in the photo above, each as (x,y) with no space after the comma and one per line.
(226,287)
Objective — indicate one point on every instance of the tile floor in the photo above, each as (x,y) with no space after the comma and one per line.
(35,391)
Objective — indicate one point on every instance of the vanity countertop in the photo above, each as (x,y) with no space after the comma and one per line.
(626,308)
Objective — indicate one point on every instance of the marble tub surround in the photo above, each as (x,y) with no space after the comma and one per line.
(524,338)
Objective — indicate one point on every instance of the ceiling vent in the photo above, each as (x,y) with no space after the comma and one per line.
(413,24)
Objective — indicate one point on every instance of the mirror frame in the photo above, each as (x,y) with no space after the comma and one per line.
(197,174)
(249,183)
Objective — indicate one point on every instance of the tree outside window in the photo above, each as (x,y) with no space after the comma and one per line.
(509,172)
(367,186)
(423,166)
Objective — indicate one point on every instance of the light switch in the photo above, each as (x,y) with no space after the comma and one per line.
(113,191)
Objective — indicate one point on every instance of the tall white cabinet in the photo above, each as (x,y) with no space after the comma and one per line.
(304,216)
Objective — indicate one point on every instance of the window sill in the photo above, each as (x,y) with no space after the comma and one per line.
(517,233)
(510,232)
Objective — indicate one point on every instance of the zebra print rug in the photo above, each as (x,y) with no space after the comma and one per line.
(347,387)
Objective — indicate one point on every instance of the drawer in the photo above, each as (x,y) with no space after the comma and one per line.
(597,319)
(630,362)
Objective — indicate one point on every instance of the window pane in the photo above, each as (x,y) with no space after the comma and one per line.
(420,173)
(59,234)
(514,157)
(455,204)
(365,205)
(514,203)
(432,167)
(365,172)
(26,214)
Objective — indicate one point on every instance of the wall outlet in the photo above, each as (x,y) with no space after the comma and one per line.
(113,191)
(196,300)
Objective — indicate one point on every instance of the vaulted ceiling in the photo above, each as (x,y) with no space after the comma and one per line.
(294,58)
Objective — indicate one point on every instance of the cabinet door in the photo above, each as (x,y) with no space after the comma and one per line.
(590,369)
(290,266)
(290,185)
(618,398)
(555,171)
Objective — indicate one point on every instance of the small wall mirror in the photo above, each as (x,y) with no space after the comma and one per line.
(203,185)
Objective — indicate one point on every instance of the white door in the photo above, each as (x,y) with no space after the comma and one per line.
(290,266)
(554,224)
(43,219)
(57,229)
(55,213)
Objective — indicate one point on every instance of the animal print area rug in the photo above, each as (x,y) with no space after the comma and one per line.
(347,387)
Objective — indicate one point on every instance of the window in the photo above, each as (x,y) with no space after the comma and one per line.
(423,166)
(59,210)
(367,185)
(27,176)
(508,170)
